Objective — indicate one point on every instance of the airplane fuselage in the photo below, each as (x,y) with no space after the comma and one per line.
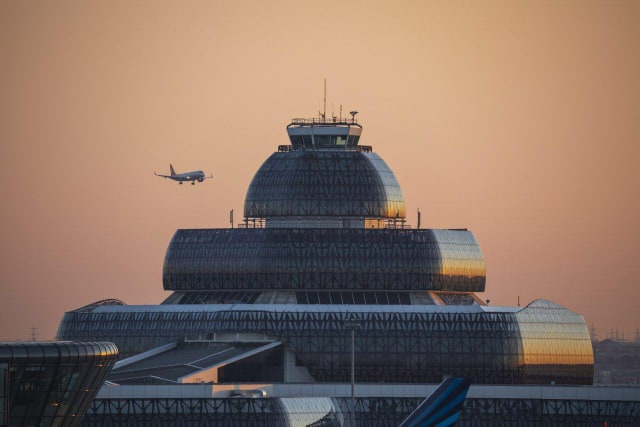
(188,176)
(192,176)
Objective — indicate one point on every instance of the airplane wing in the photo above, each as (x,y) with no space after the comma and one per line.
(164,176)
(442,407)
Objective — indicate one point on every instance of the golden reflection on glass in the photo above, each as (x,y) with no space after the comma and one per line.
(553,335)
(462,267)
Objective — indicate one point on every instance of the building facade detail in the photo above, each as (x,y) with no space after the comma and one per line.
(323,263)
(325,242)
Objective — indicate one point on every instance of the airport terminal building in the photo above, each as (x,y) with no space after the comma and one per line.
(51,383)
(324,263)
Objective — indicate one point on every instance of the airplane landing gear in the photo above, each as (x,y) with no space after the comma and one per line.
(193,183)
(180,183)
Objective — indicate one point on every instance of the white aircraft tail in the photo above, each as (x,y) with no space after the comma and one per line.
(173,173)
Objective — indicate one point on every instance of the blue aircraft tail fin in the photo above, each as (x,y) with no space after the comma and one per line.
(442,407)
(171,169)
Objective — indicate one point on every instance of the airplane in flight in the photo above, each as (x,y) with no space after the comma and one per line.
(192,176)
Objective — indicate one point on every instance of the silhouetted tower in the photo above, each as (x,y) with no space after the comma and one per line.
(593,332)
(33,332)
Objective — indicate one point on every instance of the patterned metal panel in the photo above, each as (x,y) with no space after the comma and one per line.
(370,412)
(324,183)
(391,346)
(324,259)
(52,383)
(553,341)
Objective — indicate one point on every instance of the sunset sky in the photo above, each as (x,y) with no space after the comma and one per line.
(519,120)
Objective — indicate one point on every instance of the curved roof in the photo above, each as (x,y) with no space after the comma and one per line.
(65,351)
(324,259)
(506,345)
(92,306)
(324,183)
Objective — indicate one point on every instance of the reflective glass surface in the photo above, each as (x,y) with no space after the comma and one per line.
(324,183)
(324,259)
(378,411)
(53,383)
(392,345)
(555,342)
(4,397)
(368,298)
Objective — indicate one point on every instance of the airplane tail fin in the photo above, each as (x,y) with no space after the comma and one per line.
(172,171)
(442,407)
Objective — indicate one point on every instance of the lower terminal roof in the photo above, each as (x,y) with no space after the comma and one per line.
(188,361)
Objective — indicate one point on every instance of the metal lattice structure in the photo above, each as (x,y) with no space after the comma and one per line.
(51,383)
(324,259)
(324,244)
(186,412)
(486,345)
(370,412)
(324,183)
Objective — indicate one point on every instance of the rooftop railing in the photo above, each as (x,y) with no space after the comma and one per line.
(383,223)
(323,121)
(252,223)
(359,148)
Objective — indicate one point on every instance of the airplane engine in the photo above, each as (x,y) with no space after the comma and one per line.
(201,179)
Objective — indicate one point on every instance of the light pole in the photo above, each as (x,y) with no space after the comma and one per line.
(353,325)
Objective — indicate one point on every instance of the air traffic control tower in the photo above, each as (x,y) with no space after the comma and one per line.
(325,250)
(324,242)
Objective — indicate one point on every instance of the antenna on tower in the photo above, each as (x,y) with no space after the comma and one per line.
(324,111)
(33,332)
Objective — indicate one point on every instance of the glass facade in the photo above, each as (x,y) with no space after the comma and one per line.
(404,344)
(552,345)
(4,396)
(324,183)
(368,298)
(52,383)
(306,142)
(324,259)
(171,412)
(325,245)
(370,412)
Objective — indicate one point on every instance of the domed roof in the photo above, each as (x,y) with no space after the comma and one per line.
(324,183)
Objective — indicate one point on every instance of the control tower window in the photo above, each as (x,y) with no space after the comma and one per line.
(323,140)
(296,140)
(331,140)
(300,141)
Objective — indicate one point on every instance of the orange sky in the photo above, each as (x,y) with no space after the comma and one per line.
(518,120)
